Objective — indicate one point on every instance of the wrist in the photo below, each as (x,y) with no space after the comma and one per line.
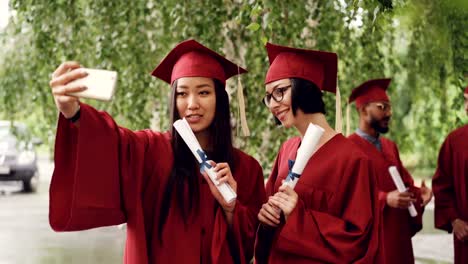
(75,117)
(229,210)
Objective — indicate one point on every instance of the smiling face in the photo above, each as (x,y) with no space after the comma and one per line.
(196,102)
(280,103)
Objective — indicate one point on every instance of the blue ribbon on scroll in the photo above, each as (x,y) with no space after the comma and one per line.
(204,160)
(291,175)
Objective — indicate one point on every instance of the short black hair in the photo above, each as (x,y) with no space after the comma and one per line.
(305,95)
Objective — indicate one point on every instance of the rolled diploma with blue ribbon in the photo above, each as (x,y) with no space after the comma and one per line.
(305,151)
(184,130)
(396,177)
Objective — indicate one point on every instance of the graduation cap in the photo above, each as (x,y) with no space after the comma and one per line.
(318,67)
(466,90)
(189,58)
(370,91)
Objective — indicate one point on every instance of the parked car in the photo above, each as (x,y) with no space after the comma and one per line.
(18,158)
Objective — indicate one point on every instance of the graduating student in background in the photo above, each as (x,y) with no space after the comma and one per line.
(331,216)
(374,108)
(107,175)
(450,184)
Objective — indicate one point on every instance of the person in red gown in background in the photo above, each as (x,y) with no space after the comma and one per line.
(331,216)
(107,175)
(450,184)
(374,109)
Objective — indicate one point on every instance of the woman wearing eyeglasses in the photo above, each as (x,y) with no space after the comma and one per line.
(331,214)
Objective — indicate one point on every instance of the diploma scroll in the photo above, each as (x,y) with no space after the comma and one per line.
(401,187)
(305,151)
(184,130)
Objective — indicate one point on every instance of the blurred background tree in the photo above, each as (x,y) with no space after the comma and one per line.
(421,44)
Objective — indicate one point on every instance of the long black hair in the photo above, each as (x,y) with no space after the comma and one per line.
(305,95)
(183,183)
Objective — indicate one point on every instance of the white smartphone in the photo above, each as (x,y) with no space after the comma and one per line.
(101,84)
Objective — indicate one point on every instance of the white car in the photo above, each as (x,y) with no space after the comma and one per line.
(18,158)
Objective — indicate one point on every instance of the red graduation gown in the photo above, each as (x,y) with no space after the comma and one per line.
(336,218)
(398,225)
(107,175)
(450,185)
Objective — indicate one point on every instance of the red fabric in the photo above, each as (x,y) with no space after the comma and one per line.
(191,59)
(398,225)
(450,186)
(107,175)
(370,91)
(336,219)
(318,67)
(466,90)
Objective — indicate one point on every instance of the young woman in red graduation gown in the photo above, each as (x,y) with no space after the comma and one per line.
(107,175)
(331,216)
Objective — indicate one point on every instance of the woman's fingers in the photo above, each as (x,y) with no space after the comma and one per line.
(68,77)
(224,179)
(65,67)
(270,213)
(67,89)
(262,218)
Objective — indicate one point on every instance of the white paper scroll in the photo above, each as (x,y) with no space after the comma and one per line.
(305,151)
(184,130)
(401,187)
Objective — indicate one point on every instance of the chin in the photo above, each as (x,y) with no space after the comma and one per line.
(198,128)
(286,124)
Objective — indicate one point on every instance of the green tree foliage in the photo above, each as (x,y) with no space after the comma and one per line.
(422,44)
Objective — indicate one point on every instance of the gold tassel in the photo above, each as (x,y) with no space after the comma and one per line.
(240,98)
(338,116)
(348,120)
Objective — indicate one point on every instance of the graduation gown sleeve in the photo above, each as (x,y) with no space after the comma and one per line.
(98,172)
(444,189)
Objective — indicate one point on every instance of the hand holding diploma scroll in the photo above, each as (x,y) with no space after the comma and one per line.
(184,130)
(305,151)
(401,187)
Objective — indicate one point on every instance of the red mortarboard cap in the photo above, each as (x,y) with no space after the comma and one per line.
(191,59)
(370,91)
(318,67)
(466,90)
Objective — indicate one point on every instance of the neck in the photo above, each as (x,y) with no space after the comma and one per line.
(366,128)
(319,119)
(203,138)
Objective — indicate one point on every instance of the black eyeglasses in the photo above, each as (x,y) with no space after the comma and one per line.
(277,95)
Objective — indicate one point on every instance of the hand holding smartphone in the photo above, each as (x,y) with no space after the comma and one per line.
(100,83)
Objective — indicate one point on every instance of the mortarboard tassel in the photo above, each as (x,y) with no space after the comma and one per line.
(338,116)
(348,119)
(240,98)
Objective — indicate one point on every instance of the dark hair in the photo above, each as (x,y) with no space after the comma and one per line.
(305,95)
(183,182)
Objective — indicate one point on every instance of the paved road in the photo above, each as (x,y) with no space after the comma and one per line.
(26,237)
